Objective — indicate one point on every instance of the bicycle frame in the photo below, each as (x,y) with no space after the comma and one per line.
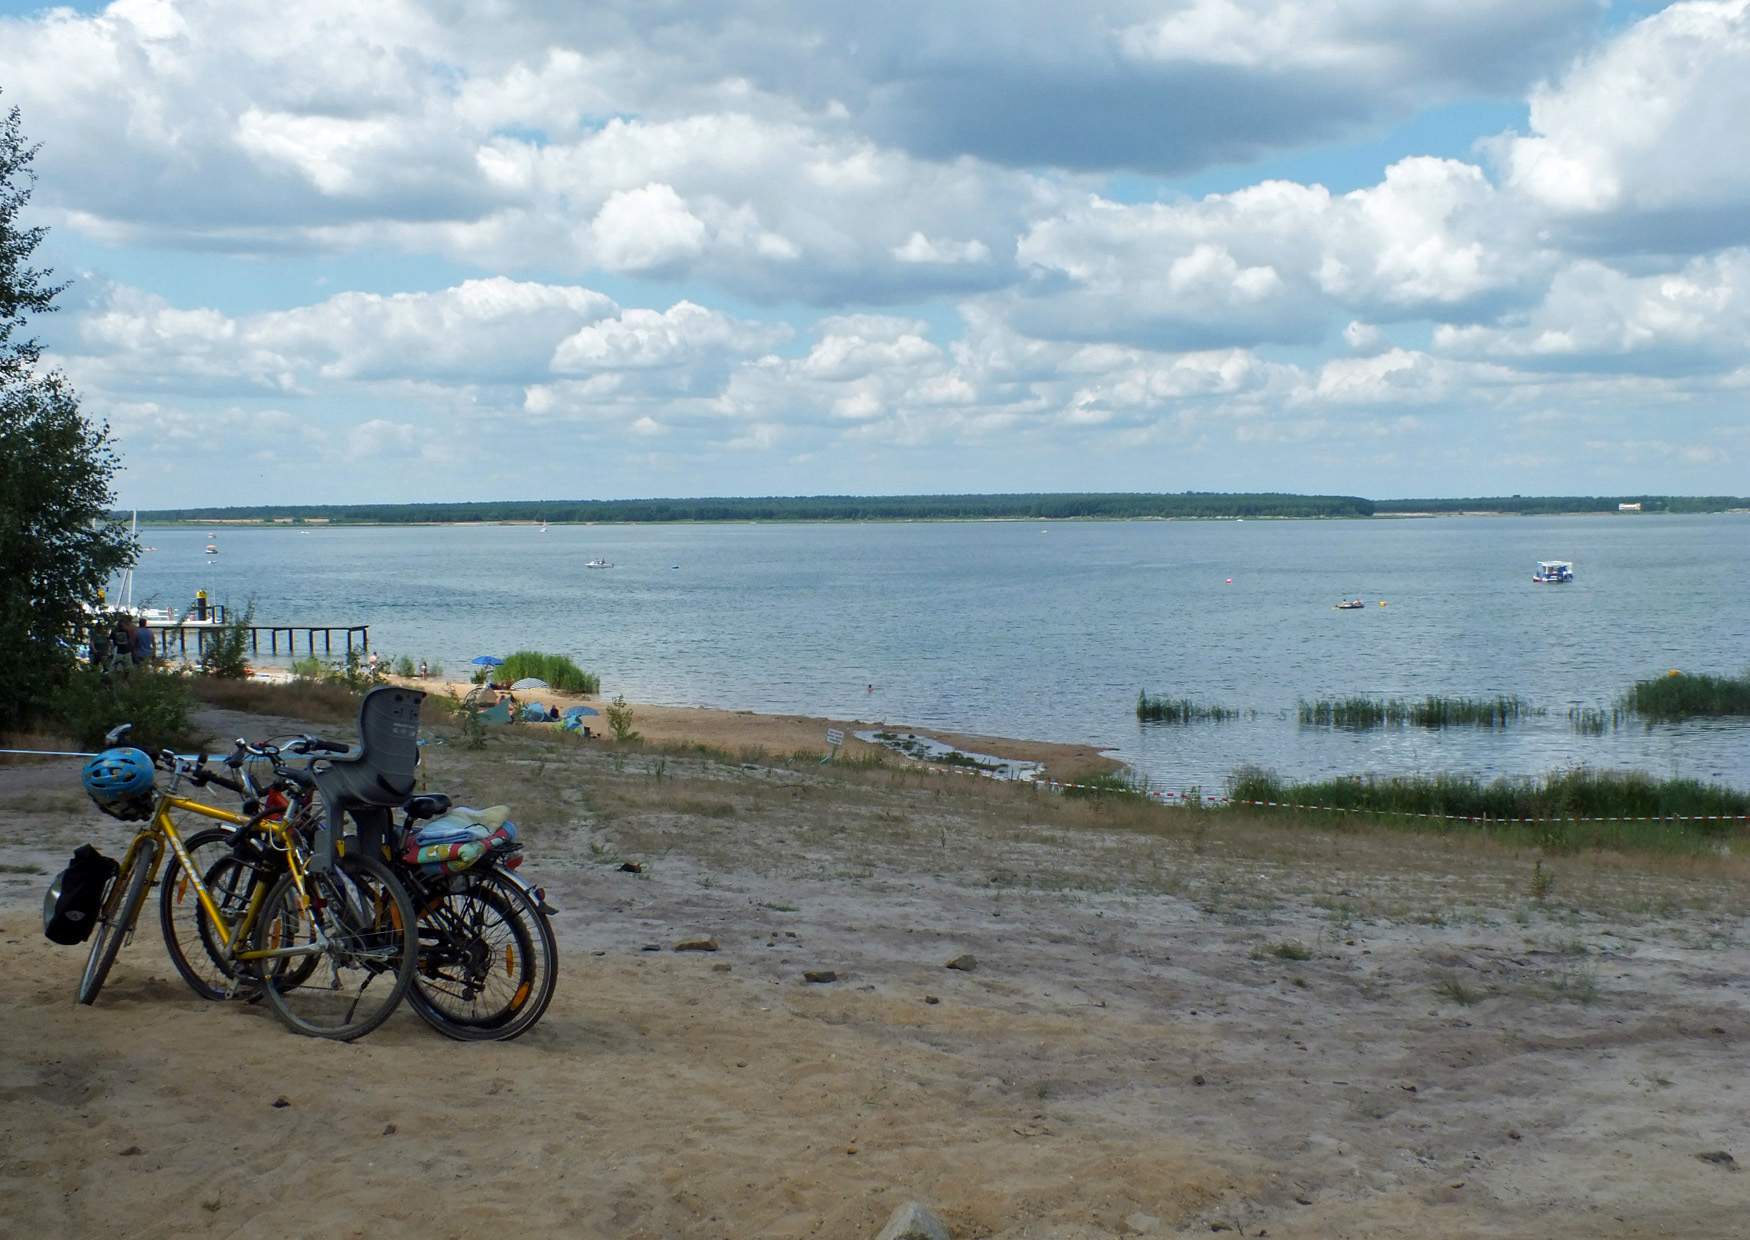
(162,825)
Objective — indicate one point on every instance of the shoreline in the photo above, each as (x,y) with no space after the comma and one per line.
(734,730)
(268,523)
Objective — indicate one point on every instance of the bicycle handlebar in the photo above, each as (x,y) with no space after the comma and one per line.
(200,776)
(315,744)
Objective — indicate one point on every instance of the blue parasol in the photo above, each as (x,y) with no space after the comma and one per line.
(578,712)
(487,660)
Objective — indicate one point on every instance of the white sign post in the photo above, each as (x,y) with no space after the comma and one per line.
(835,737)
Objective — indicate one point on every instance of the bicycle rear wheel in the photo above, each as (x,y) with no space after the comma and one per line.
(488,960)
(362,972)
(113,928)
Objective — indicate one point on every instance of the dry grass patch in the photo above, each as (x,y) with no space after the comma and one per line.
(758,811)
(54,741)
(321,703)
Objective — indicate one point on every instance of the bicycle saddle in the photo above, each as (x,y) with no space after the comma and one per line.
(431,805)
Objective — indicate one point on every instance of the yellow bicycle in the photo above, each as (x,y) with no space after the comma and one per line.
(333,952)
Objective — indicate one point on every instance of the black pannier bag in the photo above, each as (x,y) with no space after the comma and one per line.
(70,909)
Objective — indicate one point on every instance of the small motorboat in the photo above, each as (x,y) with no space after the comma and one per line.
(1553,573)
(212,548)
(1349,604)
(599,563)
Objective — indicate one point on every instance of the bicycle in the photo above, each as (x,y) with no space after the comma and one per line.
(488,958)
(353,915)
(233,862)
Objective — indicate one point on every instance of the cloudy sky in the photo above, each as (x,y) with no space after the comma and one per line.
(479,250)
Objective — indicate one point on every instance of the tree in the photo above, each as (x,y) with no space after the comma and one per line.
(58,544)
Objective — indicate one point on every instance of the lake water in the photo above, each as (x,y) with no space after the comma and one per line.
(1049,631)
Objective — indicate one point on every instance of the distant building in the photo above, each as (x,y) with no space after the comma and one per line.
(1635,507)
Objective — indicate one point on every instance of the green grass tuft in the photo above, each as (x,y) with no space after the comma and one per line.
(1430,712)
(1179,710)
(1107,784)
(1288,949)
(1679,695)
(1454,989)
(1593,720)
(1565,795)
(557,670)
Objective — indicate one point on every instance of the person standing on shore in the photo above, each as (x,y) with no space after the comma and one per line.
(100,643)
(143,651)
(121,642)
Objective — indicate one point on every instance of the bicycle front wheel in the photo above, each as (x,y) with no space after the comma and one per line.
(487,958)
(114,926)
(189,935)
(365,965)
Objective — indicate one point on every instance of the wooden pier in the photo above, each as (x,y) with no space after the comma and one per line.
(175,636)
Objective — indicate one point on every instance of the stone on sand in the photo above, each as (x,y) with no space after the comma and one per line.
(913,1221)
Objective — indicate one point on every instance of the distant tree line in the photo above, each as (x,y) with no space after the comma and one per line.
(1535,505)
(1110,506)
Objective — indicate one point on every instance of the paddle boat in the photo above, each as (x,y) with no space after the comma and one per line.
(1553,572)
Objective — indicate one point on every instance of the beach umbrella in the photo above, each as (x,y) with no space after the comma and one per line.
(487,660)
(578,712)
(530,682)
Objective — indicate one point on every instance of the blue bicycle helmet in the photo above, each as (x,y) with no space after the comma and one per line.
(120,781)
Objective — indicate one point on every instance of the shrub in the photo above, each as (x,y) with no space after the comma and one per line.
(350,674)
(227,653)
(557,670)
(158,704)
(619,714)
(404,667)
(471,731)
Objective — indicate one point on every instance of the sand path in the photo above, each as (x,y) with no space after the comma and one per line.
(1129,1044)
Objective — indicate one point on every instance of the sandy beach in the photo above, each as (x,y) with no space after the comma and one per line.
(735,730)
(1171,1024)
